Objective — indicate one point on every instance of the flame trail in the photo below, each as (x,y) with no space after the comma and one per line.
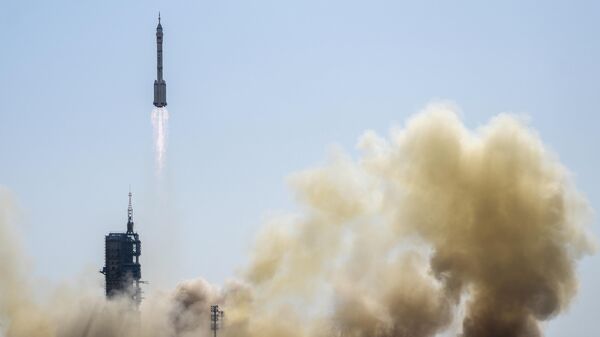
(160,119)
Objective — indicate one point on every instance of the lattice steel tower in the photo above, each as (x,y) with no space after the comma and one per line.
(122,269)
(217,317)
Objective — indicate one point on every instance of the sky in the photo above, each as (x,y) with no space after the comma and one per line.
(257,90)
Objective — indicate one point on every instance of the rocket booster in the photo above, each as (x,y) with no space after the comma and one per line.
(160,86)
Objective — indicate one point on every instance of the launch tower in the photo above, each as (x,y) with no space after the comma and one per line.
(122,270)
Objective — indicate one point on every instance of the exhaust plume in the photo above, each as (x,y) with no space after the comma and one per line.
(160,119)
(436,229)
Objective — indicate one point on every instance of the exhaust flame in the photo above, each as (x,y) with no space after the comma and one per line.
(160,119)
(439,229)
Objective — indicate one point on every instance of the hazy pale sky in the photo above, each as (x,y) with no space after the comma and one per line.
(257,90)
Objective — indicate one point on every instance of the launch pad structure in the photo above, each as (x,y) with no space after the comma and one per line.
(122,269)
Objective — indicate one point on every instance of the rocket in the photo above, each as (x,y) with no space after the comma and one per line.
(160,86)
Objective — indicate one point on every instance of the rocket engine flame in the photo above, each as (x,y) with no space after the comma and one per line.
(438,229)
(160,123)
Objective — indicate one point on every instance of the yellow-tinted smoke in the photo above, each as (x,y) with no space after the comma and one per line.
(434,219)
(436,215)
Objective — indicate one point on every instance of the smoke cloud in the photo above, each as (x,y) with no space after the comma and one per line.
(437,229)
(18,314)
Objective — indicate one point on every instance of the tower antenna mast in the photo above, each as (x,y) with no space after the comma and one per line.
(130,214)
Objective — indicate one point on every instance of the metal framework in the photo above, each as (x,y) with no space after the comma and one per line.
(216,319)
(122,269)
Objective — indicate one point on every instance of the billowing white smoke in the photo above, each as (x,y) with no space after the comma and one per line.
(390,245)
(160,123)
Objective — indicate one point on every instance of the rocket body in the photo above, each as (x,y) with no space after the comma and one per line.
(160,86)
